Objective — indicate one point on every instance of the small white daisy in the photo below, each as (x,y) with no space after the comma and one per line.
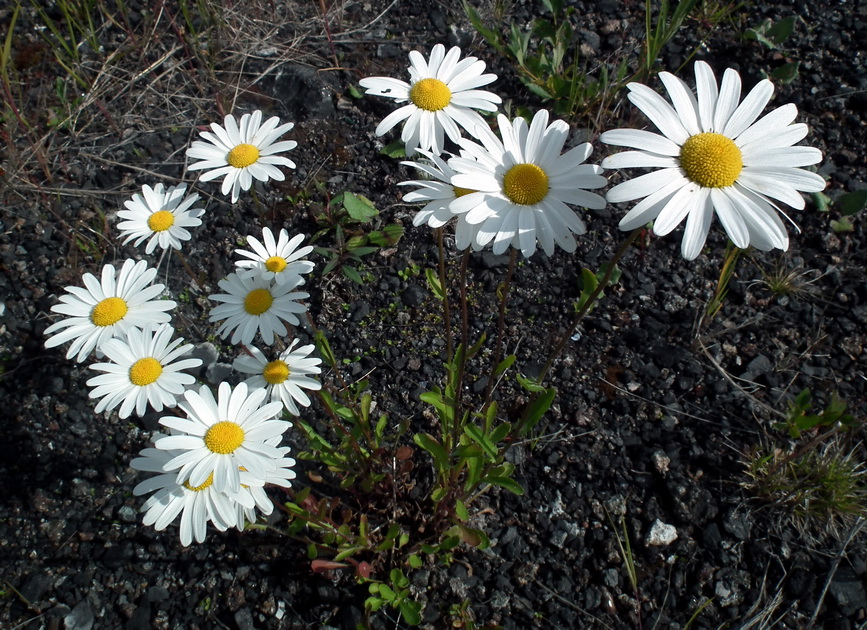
(242,152)
(276,260)
(221,436)
(161,216)
(196,504)
(714,156)
(286,377)
(108,308)
(522,185)
(441,92)
(255,304)
(143,370)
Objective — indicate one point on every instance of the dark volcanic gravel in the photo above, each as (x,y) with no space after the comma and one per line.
(652,421)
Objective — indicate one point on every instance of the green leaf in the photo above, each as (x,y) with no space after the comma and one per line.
(354,92)
(504,365)
(461,510)
(387,236)
(430,444)
(474,472)
(324,349)
(529,384)
(359,207)
(787,72)
(779,32)
(822,201)
(352,274)
(415,561)
(504,482)
(476,434)
(537,409)
(501,432)
(395,149)
(373,603)
(438,494)
(411,612)
(538,90)
(433,281)
(843,225)
(852,202)
(589,282)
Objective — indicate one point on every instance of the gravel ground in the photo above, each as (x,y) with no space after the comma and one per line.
(654,417)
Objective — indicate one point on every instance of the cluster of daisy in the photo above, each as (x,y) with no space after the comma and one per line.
(714,155)
(212,462)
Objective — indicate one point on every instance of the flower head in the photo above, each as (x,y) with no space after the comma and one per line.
(441,92)
(255,488)
(197,504)
(714,156)
(439,193)
(143,370)
(241,152)
(276,260)
(521,186)
(286,377)
(161,216)
(108,308)
(255,304)
(219,437)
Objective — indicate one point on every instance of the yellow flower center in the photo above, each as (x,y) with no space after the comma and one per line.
(430,94)
(525,184)
(145,371)
(224,437)
(276,372)
(258,301)
(243,156)
(275,264)
(711,160)
(207,483)
(161,221)
(109,311)
(460,192)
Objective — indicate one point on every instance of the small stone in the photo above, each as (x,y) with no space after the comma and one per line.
(661,534)
(661,462)
(127,514)
(81,617)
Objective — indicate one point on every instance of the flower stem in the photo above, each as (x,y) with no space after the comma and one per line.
(503,295)
(447,314)
(591,301)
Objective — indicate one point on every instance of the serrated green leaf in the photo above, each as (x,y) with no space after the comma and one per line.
(504,482)
(359,207)
(478,436)
(501,432)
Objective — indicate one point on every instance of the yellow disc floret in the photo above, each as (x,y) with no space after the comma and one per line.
(275,264)
(145,371)
(258,301)
(276,372)
(243,156)
(430,94)
(207,483)
(161,221)
(525,184)
(109,311)
(224,437)
(711,160)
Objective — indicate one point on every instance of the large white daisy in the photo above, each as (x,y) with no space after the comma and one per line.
(108,308)
(713,155)
(276,260)
(522,185)
(160,215)
(222,436)
(438,193)
(441,92)
(253,304)
(143,370)
(255,487)
(286,377)
(240,153)
(196,504)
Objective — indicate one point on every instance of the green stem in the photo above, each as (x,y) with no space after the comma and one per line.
(447,314)
(503,294)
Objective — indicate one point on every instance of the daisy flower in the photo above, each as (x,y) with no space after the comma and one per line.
(142,370)
(108,308)
(239,153)
(714,156)
(196,504)
(161,216)
(218,437)
(254,303)
(255,488)
(522,185)
(286,377)
(441,92)
(438,193)
(276,260)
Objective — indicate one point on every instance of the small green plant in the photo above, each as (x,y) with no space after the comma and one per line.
(772,35)
(848,205)
(346,216)
(801,417)
(785,281)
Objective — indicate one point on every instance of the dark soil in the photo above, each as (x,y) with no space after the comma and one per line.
(654,417)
